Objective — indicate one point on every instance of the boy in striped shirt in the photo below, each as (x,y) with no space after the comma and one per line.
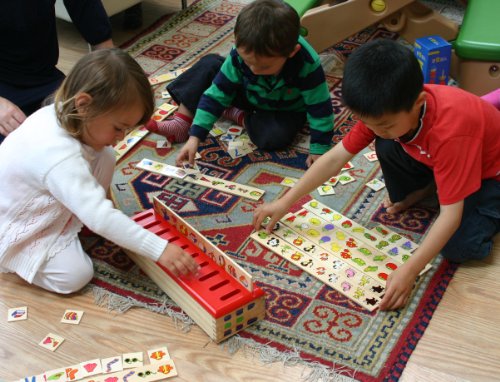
(271,83)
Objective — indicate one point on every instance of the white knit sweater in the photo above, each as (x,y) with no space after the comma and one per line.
(47,191)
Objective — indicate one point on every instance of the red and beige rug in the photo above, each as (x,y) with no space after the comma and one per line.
(304,318)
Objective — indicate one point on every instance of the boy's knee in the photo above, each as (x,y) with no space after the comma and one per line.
(459,251)
(211,61)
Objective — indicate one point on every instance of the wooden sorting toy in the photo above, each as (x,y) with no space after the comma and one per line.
(221,298)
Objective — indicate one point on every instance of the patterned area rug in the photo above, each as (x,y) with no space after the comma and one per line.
(325,330)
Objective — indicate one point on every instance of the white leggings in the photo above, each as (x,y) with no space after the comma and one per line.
(71,269)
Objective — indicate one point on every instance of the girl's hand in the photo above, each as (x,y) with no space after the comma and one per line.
(10,116)
(177,261)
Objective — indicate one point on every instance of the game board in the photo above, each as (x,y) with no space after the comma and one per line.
(221,298)
(197,177)
(350,258)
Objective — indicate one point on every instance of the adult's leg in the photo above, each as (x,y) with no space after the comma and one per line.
(273,130)
(480,222)
(403,175)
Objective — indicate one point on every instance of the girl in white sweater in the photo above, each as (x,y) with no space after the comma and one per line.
(56,168)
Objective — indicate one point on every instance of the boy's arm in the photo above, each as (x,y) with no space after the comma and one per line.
(401,281)
(216,98)
(325,167)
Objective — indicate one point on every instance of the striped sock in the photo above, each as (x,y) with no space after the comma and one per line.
(234,114)
(175,128)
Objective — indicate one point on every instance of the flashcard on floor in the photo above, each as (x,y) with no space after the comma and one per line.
(375,184)
(326,189)
(154,372)
(33,378)
(333,181)
(112,364)
(235,130)
(165,95)
(17,314)
(158,355)
(75,373)
(347,166)
(51,341)
(371,156)
(72,317)
(163,144)
(217,131)
(132,360)
(92,367)
(56,375)
(346,178)
(288,181)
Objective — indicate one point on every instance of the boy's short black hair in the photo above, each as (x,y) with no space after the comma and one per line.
(268,28)
(381,76)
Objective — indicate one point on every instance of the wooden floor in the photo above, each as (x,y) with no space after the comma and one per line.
(462,342)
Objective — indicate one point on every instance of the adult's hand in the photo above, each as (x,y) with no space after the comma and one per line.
(10,116)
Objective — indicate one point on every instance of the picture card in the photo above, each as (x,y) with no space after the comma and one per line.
(112,364)
(17,314)
(163,144)
(92,367)
(132,360)
(288,181)
(72,317)
(347,166)
(371,156)
(346,178)
(158,355)
(51,341)
(56,375)
(75,373)
(326,189)
(375,184)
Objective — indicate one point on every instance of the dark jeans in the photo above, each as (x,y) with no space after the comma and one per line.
(473,239)
(268,130)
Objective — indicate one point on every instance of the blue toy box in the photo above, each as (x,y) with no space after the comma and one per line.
(434,55)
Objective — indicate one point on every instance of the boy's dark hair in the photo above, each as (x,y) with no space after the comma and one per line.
(268,28)
(380,77)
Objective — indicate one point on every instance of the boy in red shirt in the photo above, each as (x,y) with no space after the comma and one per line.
(427,138)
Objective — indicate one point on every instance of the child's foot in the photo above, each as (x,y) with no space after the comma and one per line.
(234,114)
(410,200)
(175,128)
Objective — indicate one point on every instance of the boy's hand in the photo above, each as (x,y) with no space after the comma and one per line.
(311,158)
(274,210)
(177,261)
(10,116)
(188,152)
(398,288)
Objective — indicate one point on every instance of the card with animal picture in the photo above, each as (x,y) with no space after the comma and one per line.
(131,360)
(112,364)
(158,355)
(51,341)
(71,316)
(17,314)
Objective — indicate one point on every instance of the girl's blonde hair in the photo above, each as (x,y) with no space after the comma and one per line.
(112,78)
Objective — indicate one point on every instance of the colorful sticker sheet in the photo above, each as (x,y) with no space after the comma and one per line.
(217,255)
(201,179)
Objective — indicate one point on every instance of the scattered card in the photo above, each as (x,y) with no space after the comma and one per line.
(347,166)
(51,342)
(112,364)
(216,131)
(72,317)
(57,375)
(371,156)
(375,184)
(75,373)
(166,95)
(163,144)
(332,181)
(131,360)
(289,181)
(346,178)
(92,367)
(18,314)
(326,189)
(158,355)
(235,130)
